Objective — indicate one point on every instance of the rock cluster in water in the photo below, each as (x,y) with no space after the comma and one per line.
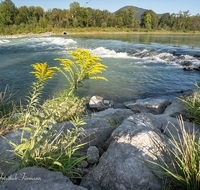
(117,137)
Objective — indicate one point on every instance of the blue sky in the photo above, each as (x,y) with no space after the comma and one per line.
(158,6)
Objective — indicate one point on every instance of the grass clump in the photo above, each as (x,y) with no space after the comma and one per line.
(48,148)
(179,166)
(9,111)
(192,104)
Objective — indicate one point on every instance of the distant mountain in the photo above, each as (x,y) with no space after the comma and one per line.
(138,11)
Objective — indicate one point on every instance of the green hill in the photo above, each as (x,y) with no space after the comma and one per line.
(138,11)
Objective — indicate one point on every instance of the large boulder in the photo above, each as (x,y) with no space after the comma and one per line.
(148,105)
(120,166)
(97,131)
(34,178)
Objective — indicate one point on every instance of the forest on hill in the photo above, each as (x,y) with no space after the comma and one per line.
(34,19)
(138,11)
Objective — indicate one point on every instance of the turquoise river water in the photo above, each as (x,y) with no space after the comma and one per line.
(139,65)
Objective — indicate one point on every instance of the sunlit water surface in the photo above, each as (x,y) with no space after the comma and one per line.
(139,65)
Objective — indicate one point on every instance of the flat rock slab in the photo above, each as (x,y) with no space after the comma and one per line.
(148,105)
(116,115)
(34,178)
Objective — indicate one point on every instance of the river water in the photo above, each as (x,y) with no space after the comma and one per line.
(139,65)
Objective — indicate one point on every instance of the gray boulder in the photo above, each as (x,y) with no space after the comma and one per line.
(34,178)
(119,167)
(148,105)
(97,131)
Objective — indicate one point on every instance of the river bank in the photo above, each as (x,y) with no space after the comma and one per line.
(123,135)
(75,31)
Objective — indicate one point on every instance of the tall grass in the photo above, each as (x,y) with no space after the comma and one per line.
(192,104)
(6,104)
(179,166)
(8,111)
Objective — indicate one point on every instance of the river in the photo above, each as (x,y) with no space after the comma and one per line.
(139,65)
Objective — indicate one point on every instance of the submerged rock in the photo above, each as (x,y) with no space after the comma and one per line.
(188,69)
(197,69)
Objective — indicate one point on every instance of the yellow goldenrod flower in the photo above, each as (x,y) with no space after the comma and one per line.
(43,71)
(84,66)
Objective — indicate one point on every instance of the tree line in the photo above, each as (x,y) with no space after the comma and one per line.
(28,19)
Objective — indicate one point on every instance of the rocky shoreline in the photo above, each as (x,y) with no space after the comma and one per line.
(117,137)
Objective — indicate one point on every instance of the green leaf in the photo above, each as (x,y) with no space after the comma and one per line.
(26,129)
(57,163)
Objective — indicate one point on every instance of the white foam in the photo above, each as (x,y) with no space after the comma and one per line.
(49,42)
(4,41)
(103,53)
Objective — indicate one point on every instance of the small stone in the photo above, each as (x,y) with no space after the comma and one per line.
(98,103)
(93,155)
